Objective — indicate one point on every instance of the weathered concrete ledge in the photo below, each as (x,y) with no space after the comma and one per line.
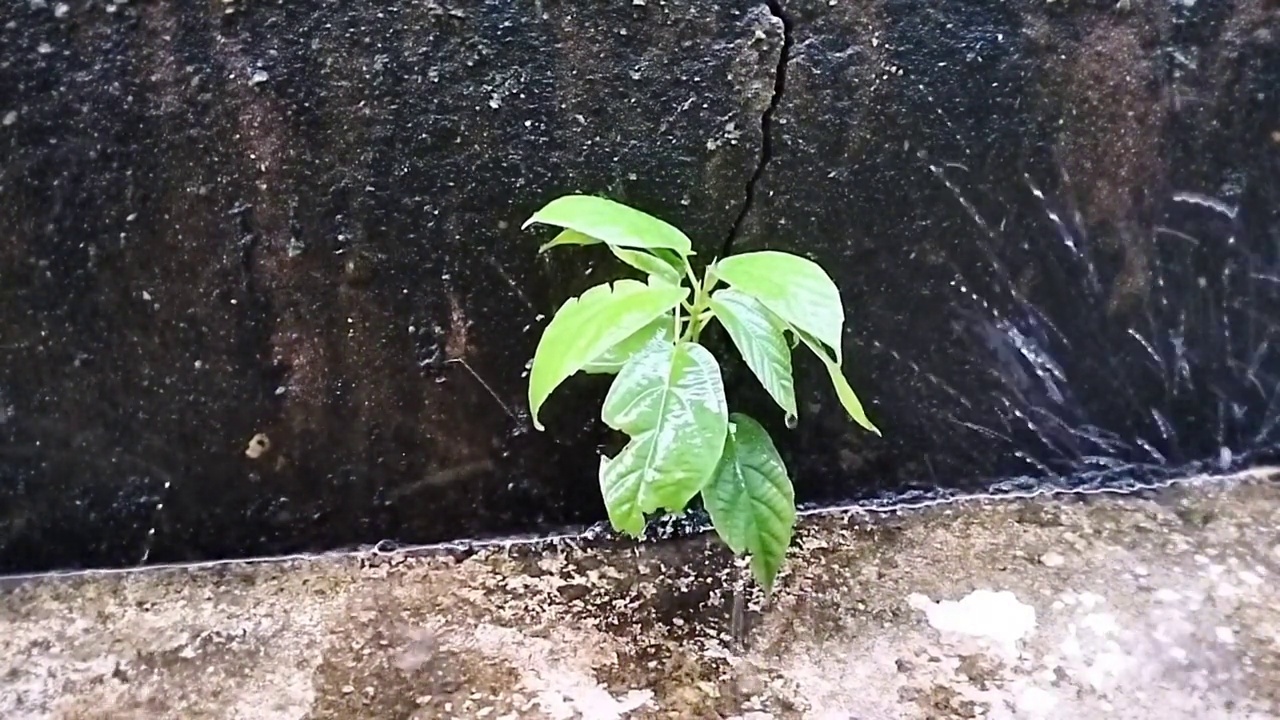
(1162,606)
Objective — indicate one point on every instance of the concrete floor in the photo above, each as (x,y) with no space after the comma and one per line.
(1164,606)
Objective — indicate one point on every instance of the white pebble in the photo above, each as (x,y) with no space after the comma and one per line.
(1052,559)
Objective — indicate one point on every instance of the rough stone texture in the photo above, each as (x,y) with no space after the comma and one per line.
(299,222)
(262,286)
(1161,607)
(1054,227)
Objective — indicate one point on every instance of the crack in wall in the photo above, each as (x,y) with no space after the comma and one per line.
(766,126)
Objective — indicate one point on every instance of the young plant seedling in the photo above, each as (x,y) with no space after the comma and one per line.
(668,395)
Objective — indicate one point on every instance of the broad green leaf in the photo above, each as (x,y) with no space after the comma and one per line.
(848,398)
(611,222)
(585,327)
(612,360)
(657,261)
(673,259)
(670,401)
(795,289)
(648,264)
(569,237)
(759,338)
(750,499)
(844,391)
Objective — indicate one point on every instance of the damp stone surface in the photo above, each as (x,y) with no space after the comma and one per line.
(1163,606)
(264,287)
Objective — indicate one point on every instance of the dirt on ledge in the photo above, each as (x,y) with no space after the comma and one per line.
(1158,606)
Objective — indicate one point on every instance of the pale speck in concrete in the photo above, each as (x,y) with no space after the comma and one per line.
(1035,702)
(996,615)
(1090,600)
(9,118)
(1106,669)
(1101,623)
(1225,635)
(1052,559)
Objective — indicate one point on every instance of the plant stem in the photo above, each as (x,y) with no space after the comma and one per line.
(697,317)
(691,330)
(698,312)
(693,279)
(701,303)
(737,616)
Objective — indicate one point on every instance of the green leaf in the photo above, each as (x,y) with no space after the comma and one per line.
(611,362)
(673,259)
(569,237)
(759,338)
(610,222)
(848,398)
(844,391)
(670,401)
(585,327)
(649,264)
(657,261)
(795,289)
(750,499)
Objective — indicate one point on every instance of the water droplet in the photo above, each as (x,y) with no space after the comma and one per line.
(792,421)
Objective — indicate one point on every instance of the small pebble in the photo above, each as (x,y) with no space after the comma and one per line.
(1052,559)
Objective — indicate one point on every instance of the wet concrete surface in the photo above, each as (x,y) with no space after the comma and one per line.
(264,287)
(1156,606)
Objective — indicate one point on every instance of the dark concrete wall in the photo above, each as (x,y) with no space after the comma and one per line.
(1055,226)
